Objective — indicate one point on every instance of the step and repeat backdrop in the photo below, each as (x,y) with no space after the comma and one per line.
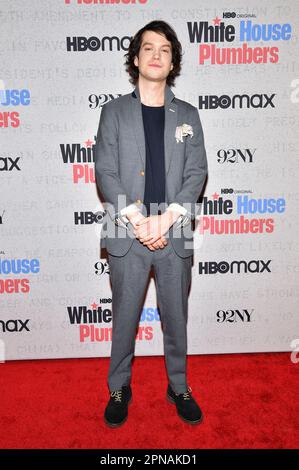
(61,62)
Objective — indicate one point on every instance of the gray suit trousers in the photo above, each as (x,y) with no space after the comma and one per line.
(129,276)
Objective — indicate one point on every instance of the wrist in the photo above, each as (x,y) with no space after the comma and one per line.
(135,216)
(171,216)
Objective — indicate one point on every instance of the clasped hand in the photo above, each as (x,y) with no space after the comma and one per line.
(150,230)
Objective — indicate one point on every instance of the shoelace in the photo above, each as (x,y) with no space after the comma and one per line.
(186,395)
(117,394)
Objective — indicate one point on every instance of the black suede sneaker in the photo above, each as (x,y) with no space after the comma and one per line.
(187,408)
(116,411)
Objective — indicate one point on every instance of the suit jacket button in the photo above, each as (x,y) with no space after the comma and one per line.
(142,173)
(139,201)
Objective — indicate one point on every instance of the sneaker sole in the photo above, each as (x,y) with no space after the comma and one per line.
(116,425)
(172,401)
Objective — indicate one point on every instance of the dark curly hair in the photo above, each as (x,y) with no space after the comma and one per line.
(157,26)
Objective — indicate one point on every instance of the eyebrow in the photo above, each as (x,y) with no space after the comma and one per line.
(150,43)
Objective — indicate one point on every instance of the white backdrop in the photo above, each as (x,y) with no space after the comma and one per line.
(244,293)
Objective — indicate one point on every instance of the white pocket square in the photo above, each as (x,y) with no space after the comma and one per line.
(182,131)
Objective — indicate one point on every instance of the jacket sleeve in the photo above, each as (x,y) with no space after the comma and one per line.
(106,164)
(195,169)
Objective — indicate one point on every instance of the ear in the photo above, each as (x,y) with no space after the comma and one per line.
(136,61)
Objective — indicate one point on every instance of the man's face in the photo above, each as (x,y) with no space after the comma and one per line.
(155,57)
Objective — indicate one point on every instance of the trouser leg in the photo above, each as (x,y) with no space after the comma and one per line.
(173,277)
(129,276)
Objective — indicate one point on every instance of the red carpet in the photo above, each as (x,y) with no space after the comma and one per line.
(249,401)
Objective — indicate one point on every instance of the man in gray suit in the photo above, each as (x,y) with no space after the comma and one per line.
(150,167)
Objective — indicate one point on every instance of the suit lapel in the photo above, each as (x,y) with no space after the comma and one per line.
(171,122)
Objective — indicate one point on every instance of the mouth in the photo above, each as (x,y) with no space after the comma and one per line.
(155,65)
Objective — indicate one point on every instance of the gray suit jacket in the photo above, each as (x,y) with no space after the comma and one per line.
(120,167)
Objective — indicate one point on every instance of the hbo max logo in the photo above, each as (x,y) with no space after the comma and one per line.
(241,266)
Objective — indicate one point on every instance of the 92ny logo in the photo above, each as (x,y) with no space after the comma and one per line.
(234,316)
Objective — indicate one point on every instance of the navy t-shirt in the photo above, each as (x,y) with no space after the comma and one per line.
(153,123)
